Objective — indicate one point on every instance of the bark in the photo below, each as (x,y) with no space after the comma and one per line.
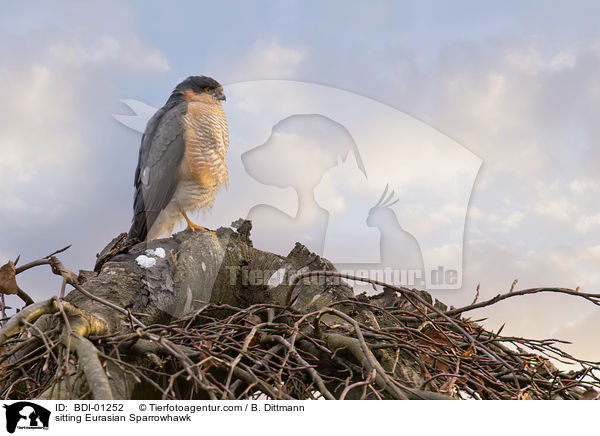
(216,317)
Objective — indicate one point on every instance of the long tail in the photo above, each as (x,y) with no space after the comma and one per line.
(139,227)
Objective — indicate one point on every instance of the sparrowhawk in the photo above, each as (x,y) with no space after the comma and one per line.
(181,163)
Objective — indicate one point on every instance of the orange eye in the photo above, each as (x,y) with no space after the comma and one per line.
(205,89)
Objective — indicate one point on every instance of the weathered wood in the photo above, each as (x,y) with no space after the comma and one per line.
(208,315)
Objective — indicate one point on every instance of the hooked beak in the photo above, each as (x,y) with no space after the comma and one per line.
(220,96)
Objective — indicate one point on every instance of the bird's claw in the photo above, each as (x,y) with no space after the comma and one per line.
(195,227)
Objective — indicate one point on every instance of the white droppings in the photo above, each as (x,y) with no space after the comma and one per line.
(145,261)
(203,267)
(159,252)
(277,278)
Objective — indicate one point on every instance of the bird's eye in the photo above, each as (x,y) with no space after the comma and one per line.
(205,89)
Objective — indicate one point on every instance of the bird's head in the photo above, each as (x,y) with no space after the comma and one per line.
(199,87)
(382,212)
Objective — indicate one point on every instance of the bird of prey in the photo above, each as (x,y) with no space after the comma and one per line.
(181,164)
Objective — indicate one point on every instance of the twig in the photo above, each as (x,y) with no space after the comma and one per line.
(593,298)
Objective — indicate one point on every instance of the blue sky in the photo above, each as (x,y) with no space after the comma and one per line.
(515,83)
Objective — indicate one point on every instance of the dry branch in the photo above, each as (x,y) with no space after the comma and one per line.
(217,325)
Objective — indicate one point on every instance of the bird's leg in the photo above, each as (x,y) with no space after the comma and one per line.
(191,225)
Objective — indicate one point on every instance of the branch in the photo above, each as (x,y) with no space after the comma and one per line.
(313,373)
(593,298)
(87,356)
(29,314)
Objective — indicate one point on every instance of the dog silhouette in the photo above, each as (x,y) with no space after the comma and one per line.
(25,410)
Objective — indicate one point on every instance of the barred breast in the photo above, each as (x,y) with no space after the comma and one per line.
(203,169)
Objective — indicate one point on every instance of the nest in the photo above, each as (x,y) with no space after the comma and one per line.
(396,345)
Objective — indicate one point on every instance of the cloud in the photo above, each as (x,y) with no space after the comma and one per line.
(586,223)
(58,87)
(50,91)
(572,204)
(581,186)
(582,331)
(526,108)
(513,220)
(127,52)
(495,265)
(267,58)
(530,111)
(527,105)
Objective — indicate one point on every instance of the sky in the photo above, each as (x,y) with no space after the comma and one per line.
(506,94)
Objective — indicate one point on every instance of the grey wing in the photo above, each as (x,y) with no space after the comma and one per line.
(161,152)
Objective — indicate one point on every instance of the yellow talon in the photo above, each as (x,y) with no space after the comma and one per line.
(194,227)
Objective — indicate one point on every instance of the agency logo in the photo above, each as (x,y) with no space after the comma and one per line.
(371,188)
(25,415)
